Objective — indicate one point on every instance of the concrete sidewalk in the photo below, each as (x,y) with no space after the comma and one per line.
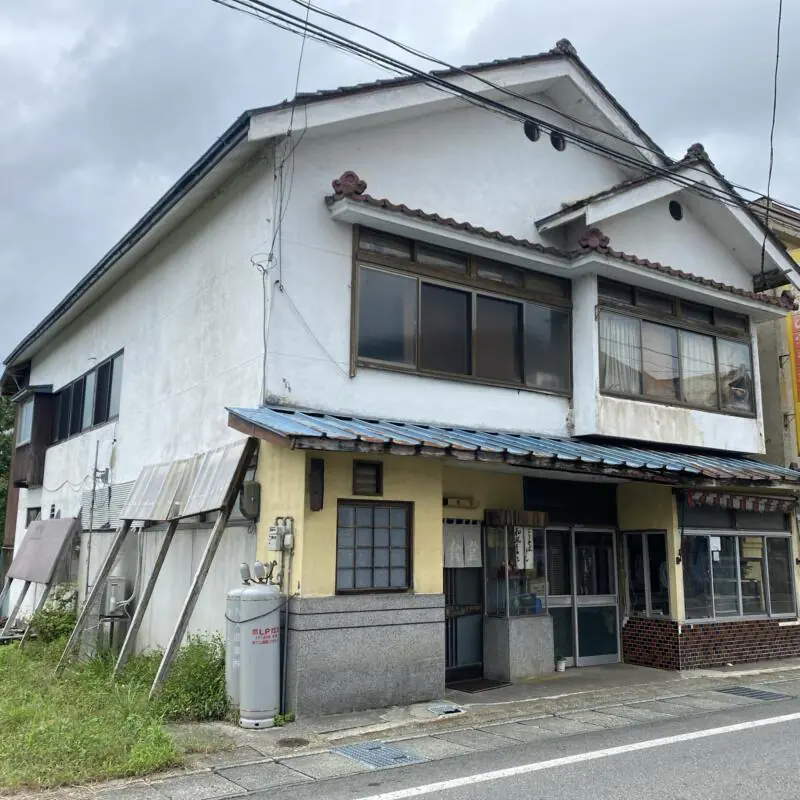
(575,702)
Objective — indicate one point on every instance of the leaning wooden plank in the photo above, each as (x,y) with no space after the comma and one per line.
(6,590)
(97,589)
(48,587)
(191,599)
(12,617)
(143,601)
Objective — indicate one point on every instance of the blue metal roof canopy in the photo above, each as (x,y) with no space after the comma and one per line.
(315,430)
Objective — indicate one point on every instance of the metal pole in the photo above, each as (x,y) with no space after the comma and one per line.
(13,615)
(286,626)
(141,605)
(91,519)
(104,572)
(191,599)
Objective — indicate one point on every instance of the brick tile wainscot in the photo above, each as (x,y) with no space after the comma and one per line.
(669,645)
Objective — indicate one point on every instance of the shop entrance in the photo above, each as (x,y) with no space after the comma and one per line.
(463,592)
(582,594)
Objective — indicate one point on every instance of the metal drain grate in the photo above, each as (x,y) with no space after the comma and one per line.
(444,708)
(377,755)
(755,694)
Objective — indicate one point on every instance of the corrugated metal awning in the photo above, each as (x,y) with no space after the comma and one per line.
(312,430)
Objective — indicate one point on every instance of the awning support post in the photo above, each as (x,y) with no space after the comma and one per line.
(143,601)
(97,588)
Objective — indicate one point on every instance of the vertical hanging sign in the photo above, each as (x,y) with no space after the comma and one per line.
(793,323)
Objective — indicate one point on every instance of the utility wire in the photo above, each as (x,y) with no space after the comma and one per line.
(286,21)
(772,131)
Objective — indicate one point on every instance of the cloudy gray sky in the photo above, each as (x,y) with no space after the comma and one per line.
(106,102)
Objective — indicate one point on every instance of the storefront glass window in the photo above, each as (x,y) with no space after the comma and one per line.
(723,565)
(781,588)
(637,592)
(646,571)
(657,572)
(751,569)
(697,577)
(515,577)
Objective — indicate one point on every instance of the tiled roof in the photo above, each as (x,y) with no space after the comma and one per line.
(323,431)
(350,187)
(563,49)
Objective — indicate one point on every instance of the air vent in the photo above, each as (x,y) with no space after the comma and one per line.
(368,478)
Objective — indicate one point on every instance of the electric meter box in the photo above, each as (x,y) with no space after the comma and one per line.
(116,592)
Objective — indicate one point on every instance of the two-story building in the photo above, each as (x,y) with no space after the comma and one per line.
(502,366)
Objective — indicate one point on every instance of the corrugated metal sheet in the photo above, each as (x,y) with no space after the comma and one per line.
(332,432)
(108,504)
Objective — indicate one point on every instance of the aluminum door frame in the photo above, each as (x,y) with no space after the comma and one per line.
(575,601)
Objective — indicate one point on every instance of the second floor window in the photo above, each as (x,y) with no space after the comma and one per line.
(674,352)
(25,423)
(445,313)
(90,400)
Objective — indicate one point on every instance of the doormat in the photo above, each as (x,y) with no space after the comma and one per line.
(475,685)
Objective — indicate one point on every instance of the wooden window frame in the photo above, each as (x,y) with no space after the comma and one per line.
(469,283)
(409,510)
(677,322)
(58,396)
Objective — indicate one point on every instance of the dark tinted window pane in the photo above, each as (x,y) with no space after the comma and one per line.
(660,375)
(706,517)
(657,569)
(559,562)
(723,564)
(751,570)
(438,257)
(102,393)
(498,340)
(445,328)
(76,412)
(380,578)
(735,375)
(696,577)
(500,273)
(547,348)
(781,590)
(653,301)
(399,578)
(387,316)
(547,284)
(696,312)
(385,244)
(727,319)
(344,579)
(762,521)
(636,573)
(347,516)
(610,290)
(620,354)
(65,399)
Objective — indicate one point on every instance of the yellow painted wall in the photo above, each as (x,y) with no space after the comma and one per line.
(282,475)
(415,480)
(488,490)
(647,506)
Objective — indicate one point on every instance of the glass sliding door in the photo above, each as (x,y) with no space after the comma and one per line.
(582,595)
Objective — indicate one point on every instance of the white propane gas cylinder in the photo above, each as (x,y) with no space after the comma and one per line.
(233,643)
(260,659)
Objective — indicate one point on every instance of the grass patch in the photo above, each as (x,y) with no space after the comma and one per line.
(83,726)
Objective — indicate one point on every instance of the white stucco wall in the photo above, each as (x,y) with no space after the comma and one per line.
(650,232)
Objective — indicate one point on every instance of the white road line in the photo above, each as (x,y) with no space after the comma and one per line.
(524,769)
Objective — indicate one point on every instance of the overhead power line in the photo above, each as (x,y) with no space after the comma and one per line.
(286,21)
(772,130)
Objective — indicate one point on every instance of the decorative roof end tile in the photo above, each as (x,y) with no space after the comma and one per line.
(565,47)
(788,300)
(594,239)
(348,185)
(697,151)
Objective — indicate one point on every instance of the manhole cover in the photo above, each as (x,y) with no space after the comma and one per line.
(377,755)
(755,694)
(290,742)
(445,708)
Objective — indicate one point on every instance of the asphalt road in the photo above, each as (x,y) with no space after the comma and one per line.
(747,752)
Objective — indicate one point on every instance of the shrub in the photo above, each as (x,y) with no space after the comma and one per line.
(57,619)
(195,689)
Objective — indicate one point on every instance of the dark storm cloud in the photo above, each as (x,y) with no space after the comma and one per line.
(105,104)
